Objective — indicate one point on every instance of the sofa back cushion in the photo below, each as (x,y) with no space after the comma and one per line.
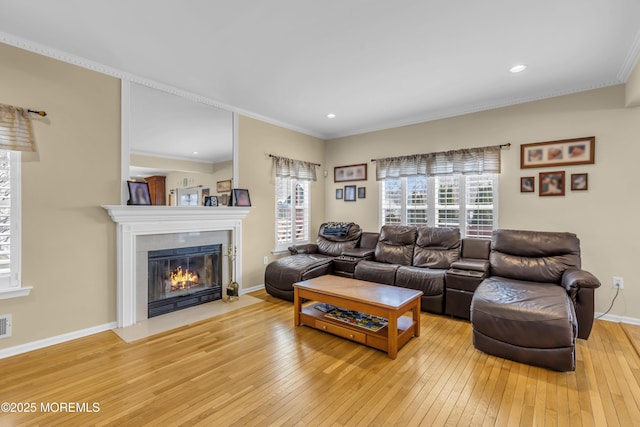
(533,255)
(436,247)
(395,244)
(333,239)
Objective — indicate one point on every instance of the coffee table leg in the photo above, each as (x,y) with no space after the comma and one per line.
(416,318)
(392,336)
(296,307)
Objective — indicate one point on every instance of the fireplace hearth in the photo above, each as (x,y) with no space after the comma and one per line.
(183,277)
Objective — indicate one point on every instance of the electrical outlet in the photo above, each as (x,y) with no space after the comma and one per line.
(618,282)
(266,260)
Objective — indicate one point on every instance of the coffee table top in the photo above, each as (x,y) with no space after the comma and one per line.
(360,290)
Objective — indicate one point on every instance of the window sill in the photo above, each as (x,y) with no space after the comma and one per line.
(15,292)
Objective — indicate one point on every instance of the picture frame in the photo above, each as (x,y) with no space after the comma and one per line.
(241,197)
(211,200)
(551,183)
(579,181)
(576,151)
(349,193)
(527,184)
(223,186)
(139,193)
(350,173)
(339,192)
(224,200)
(362,192)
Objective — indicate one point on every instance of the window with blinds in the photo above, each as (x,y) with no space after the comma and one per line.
(9,218)
(292,212)
(467,202)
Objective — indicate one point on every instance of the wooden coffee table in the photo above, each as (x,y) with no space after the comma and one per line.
(390,302)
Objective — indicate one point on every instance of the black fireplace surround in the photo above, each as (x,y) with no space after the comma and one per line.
(183,277)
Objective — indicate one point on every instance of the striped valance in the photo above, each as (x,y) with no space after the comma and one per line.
(465,161)
(298,169)
(16,130)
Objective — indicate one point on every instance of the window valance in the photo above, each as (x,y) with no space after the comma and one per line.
(16,129)
(478,160)
(298,169)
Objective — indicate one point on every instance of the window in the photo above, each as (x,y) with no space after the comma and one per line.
(292,212)
(467,202)
(10,225)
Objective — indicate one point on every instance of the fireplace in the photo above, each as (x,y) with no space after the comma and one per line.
(179,278)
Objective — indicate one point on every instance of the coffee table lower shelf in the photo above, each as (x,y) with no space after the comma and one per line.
(313,318)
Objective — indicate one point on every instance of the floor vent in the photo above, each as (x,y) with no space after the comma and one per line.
(5,325)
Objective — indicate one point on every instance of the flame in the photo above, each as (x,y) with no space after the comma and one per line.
(183,279)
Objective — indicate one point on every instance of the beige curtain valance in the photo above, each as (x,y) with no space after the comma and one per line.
(298,169)
(465,161)
(16,130)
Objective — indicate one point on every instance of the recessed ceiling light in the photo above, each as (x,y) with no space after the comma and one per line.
(331,116)
(518,68)
(195,152)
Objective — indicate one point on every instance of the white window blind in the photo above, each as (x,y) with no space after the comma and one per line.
(292,212)
(467,202)
(9,219)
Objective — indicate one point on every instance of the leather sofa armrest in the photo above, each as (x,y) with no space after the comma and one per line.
(574,278)
(305,248)
(364,253)
(480,265)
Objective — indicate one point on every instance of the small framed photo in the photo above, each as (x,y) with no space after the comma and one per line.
(527,184)
(579,181)
(223,186)
(211,201)
(339,193)
(139,193)
(349,193)
(241,197)
(551,183)
(362,192)
(350,173)
(224,200)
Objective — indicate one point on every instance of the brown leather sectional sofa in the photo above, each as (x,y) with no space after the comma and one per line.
(524,291)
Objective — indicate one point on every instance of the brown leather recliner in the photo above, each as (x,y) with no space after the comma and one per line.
(536,301)
(310,260)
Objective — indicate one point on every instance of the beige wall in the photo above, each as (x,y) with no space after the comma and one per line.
(68,240)
(256,140)
(633,88)
(604,217)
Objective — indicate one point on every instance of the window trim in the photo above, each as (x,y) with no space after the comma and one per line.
(12,288)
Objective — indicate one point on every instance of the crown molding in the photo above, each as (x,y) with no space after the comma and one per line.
(631,60)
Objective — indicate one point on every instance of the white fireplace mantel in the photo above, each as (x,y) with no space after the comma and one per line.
(134,221)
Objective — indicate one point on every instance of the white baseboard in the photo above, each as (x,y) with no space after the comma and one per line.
(618,319)
(58,339)
(251,289)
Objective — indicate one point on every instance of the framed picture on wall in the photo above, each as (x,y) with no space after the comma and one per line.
(339,193)
(527,184)
(223,186)
(579,181)
(551,183)
(576,151)
(350,173)
(362,192)
(349,193)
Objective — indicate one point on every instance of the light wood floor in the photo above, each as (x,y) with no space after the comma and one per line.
(252,367)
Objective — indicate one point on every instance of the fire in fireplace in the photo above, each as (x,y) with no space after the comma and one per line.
(183,277)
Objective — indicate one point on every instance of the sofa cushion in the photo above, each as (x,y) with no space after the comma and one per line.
(524,314)
(332,244)
(429,281)
(395,244)
(533,255)
(378,272)
(436,247)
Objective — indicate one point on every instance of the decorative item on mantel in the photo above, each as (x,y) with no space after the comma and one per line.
(232,291)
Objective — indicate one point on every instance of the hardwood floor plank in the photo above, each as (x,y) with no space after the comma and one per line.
(253,367)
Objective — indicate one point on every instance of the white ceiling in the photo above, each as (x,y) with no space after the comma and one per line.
(374,63)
